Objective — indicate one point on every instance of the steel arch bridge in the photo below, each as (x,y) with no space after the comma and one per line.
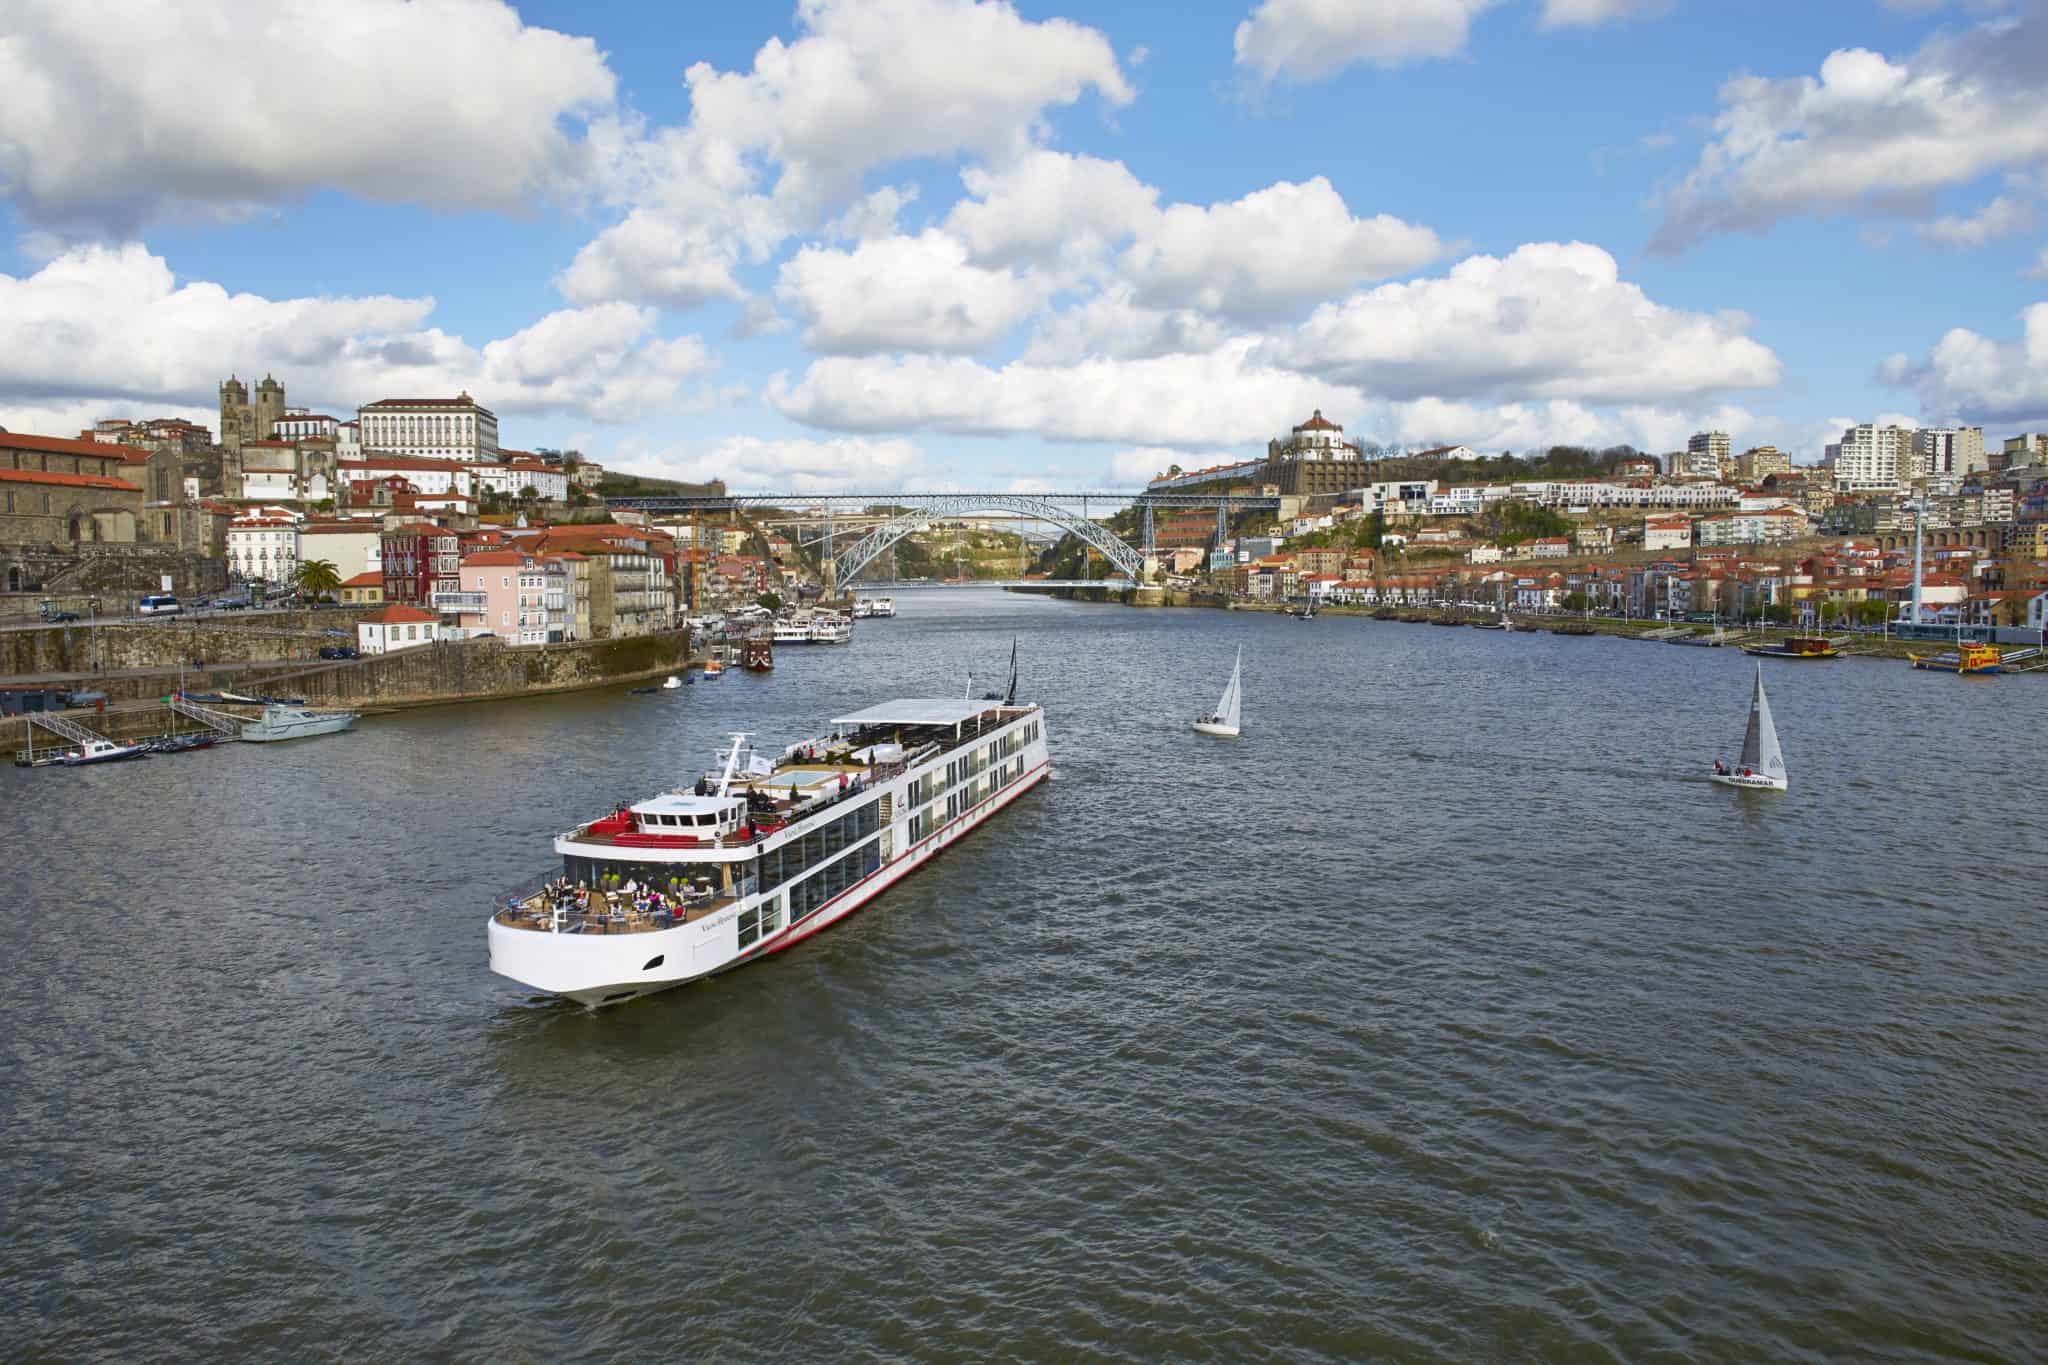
(1068,511)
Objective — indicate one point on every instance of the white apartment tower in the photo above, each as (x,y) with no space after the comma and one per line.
(1705,454)
(1948,452)
(457,428)
(1873,459)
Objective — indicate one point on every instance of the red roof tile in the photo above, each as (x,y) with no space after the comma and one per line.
(61,445)
(68,480)
(398,614)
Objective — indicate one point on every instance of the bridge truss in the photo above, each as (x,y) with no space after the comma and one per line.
(914,512)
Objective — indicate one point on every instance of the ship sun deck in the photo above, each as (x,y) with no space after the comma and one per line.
(614,913)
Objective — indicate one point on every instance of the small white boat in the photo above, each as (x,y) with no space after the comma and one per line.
(292,722)
(1762,766)
(1229,710)
(102,751)
(671,683)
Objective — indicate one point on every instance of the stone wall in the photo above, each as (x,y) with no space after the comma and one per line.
(112,571)
(472,670)
(222,637)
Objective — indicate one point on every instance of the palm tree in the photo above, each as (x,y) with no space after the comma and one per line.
(317,578)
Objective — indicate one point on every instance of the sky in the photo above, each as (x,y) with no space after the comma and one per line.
(946,244)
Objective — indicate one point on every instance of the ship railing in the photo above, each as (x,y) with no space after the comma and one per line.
(611,912)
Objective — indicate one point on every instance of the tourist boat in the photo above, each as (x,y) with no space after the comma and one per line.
(767,851)
(1762,766)
(830,629)
(1230,707)
(792,630)
(1978,660)
(868,608)
(1795,647)
(101,751)
(291,722)
(757,654)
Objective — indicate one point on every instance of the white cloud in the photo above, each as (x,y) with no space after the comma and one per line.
(1270,252)
(865,84)
(2039,269)
(1194,401)
(1586,13)
(1312,39)
(1111,324)
(112,327)
(873,215)
(2002,217)
(1048,206)
(903,293)
(1868,134)
(1976,378)
(1142,464)
(846,464)
(1538,426)
(1550,320)
(117,112)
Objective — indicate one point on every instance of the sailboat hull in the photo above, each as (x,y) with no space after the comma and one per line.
(1211,727)
(1755,782)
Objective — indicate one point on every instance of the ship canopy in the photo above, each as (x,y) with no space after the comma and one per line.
(1760,751)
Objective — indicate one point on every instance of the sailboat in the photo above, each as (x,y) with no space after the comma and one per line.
(1224,719)
(1762,767)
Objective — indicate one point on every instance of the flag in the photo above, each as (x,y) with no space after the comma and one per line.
(758,766)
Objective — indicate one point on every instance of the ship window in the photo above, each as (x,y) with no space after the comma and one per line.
(750,927)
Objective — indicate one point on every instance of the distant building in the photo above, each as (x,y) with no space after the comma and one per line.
(1872,459)
(364,590)
(1672,531)
(1705,451)
(263,545)
(1948,451)
(397,627)
(1760,462)
(457,428)
(1313,459)
(242,420)
(2027,448)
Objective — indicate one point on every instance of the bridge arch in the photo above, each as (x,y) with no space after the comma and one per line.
(863,552)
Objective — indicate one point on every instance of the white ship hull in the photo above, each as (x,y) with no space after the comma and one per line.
(598,969)
(1755,782)
(1211,727)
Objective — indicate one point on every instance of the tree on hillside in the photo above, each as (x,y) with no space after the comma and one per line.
(317,578)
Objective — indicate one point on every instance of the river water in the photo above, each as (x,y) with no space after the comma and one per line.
(1448,1014)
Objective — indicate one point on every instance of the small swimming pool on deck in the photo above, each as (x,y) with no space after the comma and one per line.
(794,778)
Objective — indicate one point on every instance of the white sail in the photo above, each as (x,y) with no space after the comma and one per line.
(1227,709)
(1760,751)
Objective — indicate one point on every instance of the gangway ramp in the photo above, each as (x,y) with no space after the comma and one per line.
(223,723)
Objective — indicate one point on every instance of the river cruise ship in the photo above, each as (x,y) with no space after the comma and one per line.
(767,850)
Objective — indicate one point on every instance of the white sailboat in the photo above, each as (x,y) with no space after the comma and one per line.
(1224,719)
(1762,767)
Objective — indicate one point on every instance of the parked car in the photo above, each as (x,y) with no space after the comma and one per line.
(340,652)
(56,615)
(234,601)
(336,630)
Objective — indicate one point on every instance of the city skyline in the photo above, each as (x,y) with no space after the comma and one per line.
(929,243)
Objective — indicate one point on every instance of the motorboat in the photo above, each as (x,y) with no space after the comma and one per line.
(291,722)
(102,751)
(671,683)
(1762,766)
(1225,719)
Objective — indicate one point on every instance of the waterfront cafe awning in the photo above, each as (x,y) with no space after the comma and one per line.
(919,711)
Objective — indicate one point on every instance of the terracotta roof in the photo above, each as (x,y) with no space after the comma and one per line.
(1318,423)
(368,579)
(369,462)
(68,480)
(460,401)
(494,559)
(398,614)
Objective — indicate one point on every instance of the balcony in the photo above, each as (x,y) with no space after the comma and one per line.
(470,602)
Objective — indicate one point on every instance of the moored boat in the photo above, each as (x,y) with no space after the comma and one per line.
(101,751)
(757,654)
(291,722)
(1795,647)
(768,850)
(1969,660)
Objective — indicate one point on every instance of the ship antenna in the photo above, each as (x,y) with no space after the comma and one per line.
(732,761)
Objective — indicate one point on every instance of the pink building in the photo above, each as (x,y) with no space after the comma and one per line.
(503,593)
